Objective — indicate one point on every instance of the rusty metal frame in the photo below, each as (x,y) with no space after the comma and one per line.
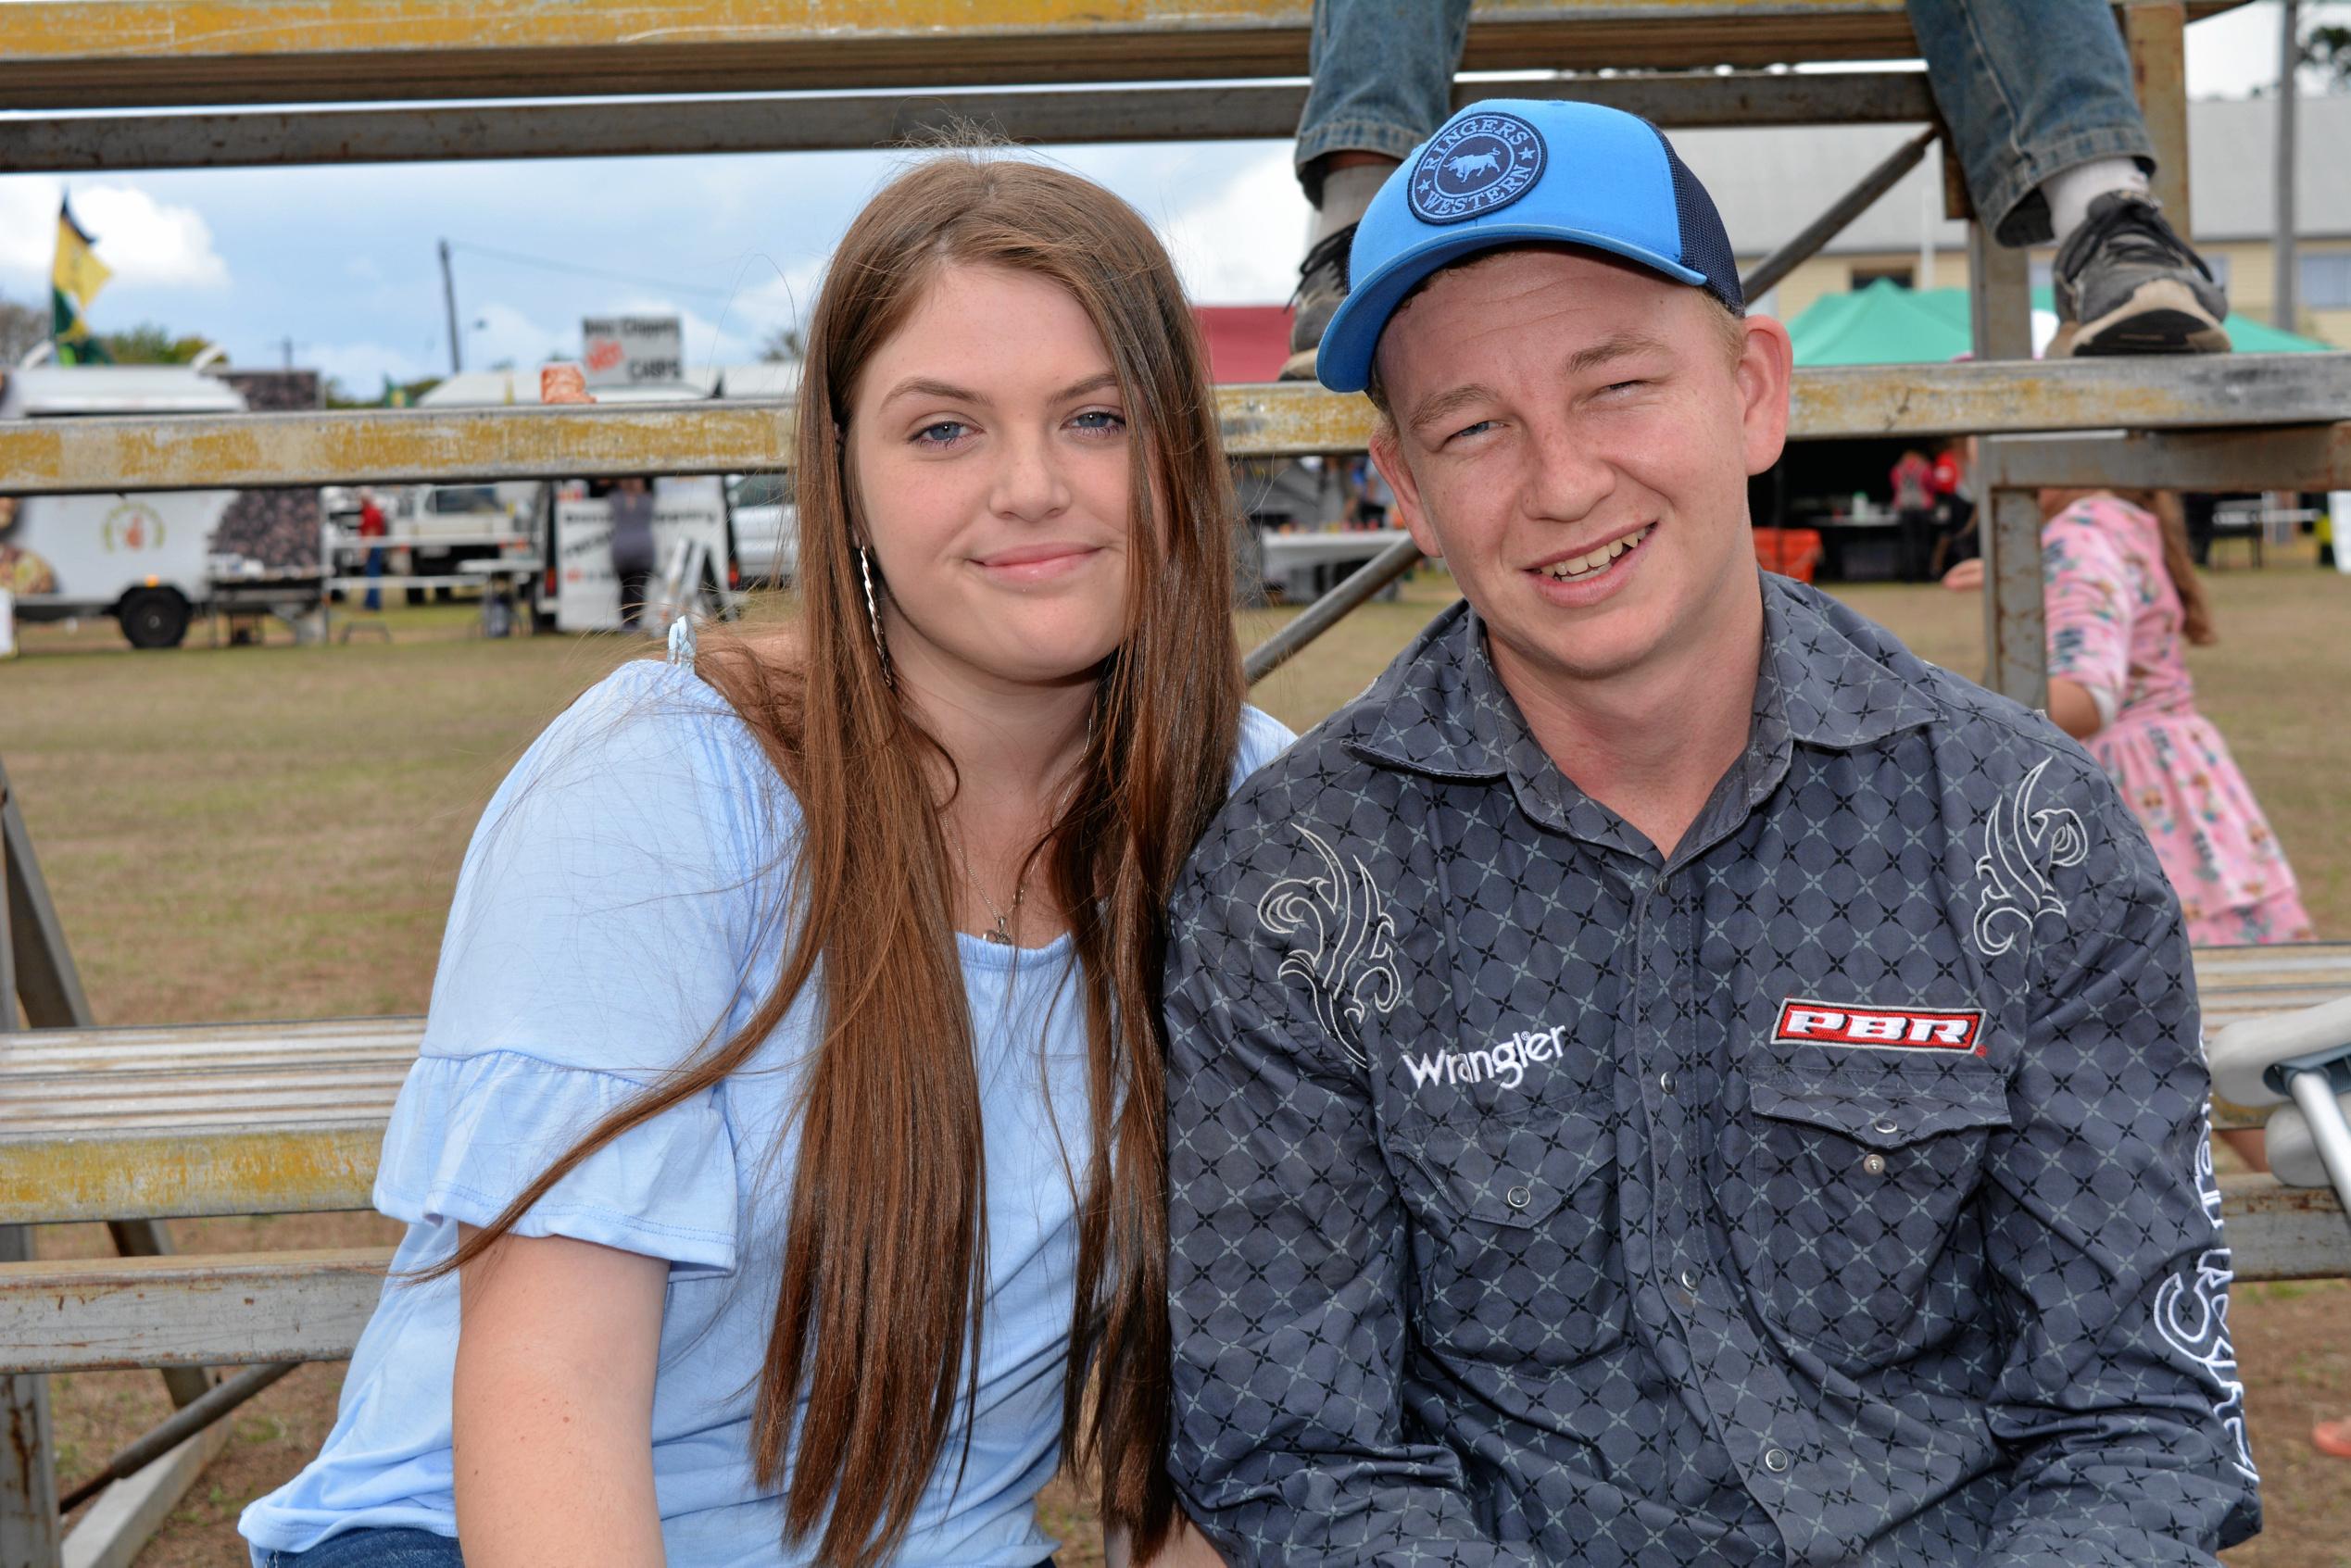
(2292,457)
(2153,31)
(1807,241)
(102,456)
(276,1307)
(49,988)
(99,54)
(110,144)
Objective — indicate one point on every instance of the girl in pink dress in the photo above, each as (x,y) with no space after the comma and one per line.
(2121,594)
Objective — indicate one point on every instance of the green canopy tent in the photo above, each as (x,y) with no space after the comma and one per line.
(1887,325)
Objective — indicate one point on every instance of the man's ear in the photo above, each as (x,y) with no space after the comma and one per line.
(1387,454)
(1767,365)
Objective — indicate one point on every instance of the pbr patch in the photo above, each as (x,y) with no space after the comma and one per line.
(1877,1029)
(1474,166)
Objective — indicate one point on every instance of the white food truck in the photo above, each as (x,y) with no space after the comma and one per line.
(147,560)
(695,566)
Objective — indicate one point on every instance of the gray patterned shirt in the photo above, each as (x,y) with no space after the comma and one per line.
(1836,1189)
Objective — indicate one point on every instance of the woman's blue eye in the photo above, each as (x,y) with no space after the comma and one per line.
(944,433)
(1101,419)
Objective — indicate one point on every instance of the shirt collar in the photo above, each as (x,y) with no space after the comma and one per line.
(1442,711)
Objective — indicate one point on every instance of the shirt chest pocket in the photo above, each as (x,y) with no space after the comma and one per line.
(1514,1232)
(1852,1206)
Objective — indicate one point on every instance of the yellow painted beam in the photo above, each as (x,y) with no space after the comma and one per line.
(92,53)
(241,450)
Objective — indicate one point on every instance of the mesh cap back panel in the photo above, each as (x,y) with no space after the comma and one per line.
(1704,246)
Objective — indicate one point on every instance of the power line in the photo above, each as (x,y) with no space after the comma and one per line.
(551,265)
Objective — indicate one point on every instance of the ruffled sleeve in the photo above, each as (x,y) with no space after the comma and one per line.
(2092,592)
(605,920)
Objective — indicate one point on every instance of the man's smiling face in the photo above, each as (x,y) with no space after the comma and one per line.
(1574,434)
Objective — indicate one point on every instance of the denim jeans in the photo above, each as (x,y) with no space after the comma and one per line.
(1383,74)
(2028,87)
(371,1549)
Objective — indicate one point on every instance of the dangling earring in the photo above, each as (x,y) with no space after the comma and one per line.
(873,615)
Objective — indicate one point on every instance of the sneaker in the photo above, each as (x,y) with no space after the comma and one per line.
(2126,283)
(1322,283)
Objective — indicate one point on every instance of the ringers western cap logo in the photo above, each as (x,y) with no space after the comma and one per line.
(1476,165)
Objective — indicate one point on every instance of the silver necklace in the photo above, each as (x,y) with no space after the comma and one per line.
(1001,935)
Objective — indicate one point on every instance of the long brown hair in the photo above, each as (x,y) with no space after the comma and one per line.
(885,1256)
(2179,560)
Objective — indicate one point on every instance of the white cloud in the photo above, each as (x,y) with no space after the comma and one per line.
(1241,244)
(498,332)
(362,368)
(143,240)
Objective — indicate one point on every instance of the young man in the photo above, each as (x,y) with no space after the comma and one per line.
(1666,1076)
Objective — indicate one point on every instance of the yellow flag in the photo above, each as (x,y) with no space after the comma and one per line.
(78,273)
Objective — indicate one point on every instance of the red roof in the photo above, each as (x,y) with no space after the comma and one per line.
(1245,342)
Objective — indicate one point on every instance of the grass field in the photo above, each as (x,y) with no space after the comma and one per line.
(272,831)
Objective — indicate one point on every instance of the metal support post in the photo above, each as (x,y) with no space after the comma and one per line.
(2007,521)
(1830,224)
(2284,307)
(28,1482)
(51,990)
(2313,1079)
(29,1531)
(2154,31)
(1331,608)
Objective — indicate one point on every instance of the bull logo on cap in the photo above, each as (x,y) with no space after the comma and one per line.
(1478,163)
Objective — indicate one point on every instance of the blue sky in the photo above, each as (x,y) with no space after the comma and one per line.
(342,260)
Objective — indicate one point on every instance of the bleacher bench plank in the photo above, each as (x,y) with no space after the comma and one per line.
(106,455)
(97,1315)
(289,1118)
(110,53)
(92,1314)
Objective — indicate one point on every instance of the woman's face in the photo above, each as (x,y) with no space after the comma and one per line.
(988,451)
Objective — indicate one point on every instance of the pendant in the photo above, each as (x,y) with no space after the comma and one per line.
(1002,936)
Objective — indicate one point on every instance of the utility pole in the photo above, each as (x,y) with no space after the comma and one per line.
(2281,308)
(448,299)
(287,343)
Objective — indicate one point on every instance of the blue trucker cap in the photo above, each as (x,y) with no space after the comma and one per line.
(1513,172)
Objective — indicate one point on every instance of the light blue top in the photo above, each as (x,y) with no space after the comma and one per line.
(615,909)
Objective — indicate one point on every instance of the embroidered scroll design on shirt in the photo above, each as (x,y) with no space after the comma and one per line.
(1345,949)
(2019,842)
(2192,1316)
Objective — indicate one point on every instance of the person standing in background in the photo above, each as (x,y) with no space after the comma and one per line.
(2122,595)
(1912,478)
(2122,599)
(371,526)
(632,504)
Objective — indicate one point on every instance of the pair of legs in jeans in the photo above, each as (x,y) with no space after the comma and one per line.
(2037,94)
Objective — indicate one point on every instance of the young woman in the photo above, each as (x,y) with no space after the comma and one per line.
(2122,596)
(787,1146)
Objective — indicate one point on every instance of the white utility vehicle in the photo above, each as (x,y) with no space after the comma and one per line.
(147,560)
